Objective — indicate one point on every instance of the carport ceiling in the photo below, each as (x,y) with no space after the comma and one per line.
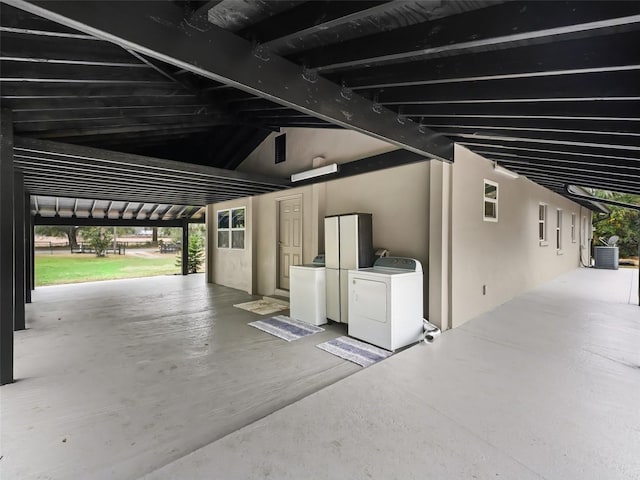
(550,90)
(63,170)
(47,208)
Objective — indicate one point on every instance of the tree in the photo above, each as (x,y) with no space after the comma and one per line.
(195,252)
(122,231)
(623,222)
(99,238)
(53,231)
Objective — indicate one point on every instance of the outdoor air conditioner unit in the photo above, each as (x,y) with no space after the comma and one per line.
(607,257)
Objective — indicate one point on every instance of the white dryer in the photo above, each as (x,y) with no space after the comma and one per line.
(385,303)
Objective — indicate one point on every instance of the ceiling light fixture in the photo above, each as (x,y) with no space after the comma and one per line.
(315,172)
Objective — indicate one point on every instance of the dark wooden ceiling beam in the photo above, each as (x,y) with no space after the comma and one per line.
(548,164)
(200,8)
(604,107)
(101,132)
(96,82)
(141,114)
(131,73)
(585,124)
(574,149)
(285,32)
(557,59)
(63,63)
(86,111)
(77,177)
(13,17)
(288,113)
(67,49)
(47,187)
(140,139)
(75,90)
(48,33)
(284,120)
(61,104)
(73,175)
(111,222)
(622,83)
(234,16)
(158,30)
(117,122)
(302,124)
(256,105)
(559,157)
(626,141)
(593,181)
(611,172)
(185,197)
(493,28)
(92,156)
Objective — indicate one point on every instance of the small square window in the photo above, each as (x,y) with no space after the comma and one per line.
(237,239)
(223,219)
(490,191)
(559,230)
(542,223)
(231,228)
(223,238)
(490,205)
(238,218)
(490,210)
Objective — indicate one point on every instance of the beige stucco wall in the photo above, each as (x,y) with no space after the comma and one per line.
(266,234)
(469,253)
(400,223)
(505,256)
(304,144)
(398,198)
(227,266)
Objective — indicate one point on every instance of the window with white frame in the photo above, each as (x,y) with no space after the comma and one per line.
(559,230)
(231,228)
(573,228)
(490,207)
(542,223)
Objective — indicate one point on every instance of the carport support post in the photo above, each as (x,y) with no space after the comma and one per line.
(185,247)
(6,247)
(32,232)
(28,258)
(18,246)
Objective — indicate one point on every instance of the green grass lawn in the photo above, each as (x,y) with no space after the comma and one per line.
(57,269)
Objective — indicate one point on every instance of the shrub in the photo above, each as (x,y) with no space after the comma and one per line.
(99,238)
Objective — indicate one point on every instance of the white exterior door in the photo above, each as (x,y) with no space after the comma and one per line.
(289,238)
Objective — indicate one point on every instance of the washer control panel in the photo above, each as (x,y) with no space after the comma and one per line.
(399,263)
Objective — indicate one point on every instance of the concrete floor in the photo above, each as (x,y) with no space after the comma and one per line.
(546,386)
(120,379)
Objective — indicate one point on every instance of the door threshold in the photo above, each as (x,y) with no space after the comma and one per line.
(281,293)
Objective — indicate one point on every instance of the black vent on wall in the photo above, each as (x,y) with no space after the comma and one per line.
(281,148)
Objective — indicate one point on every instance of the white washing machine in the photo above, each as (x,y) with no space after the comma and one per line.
(307,292)
(385,303)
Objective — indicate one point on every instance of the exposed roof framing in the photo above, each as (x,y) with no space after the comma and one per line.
(548,89)
(523,23)
(70,171)
(158,30)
